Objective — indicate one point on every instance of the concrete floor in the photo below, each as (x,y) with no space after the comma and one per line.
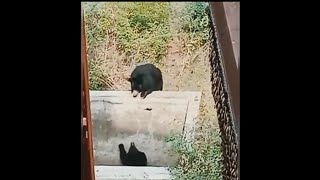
(119,118)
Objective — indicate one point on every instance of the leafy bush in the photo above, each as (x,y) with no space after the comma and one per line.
(97,76)
(199,160)
(143,30)
(98,25)
(196,22)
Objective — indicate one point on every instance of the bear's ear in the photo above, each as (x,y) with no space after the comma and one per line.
(126,77)
(130,79)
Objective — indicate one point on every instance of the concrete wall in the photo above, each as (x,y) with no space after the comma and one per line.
(119,118)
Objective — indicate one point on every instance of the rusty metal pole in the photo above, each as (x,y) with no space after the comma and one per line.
(229,59)
(87,164)
(226,18)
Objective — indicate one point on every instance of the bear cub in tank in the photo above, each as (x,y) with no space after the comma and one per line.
(134,157)
(144,79)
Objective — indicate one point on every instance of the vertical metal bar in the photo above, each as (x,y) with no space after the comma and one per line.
(82,115)
(231,68)
(88,167)
(228,59)
(84,151)
(84,173)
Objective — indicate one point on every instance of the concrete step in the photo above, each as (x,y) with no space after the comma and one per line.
(131,173)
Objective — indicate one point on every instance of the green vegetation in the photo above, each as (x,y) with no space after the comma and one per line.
(143,30)
(199,160)
(195,22)
(139,30)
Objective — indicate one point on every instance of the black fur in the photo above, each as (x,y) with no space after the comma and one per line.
(145,79)
(134,157)
(123,154)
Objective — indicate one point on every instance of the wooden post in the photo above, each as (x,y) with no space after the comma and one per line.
(87,158)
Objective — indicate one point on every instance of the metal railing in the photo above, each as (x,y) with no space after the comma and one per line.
(225,78)
(87,158)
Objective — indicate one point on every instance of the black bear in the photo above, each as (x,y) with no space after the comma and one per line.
(123,155)
(134,157)
(144,79)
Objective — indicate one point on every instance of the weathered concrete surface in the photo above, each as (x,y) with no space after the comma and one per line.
(119,118)
(131,173)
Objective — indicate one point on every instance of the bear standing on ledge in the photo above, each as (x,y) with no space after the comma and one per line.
(144,79)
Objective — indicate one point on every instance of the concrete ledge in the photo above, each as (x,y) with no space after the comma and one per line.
(131,173)
(176,97)
(155,94)
(193,97)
